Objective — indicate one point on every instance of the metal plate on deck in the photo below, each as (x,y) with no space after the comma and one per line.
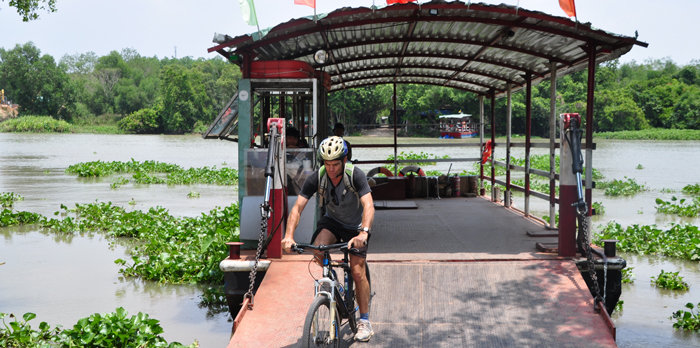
(382,205)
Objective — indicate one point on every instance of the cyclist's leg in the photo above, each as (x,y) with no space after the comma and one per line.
(323,237)
(358,267)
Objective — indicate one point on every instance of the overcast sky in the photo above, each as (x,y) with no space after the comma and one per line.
(159,27)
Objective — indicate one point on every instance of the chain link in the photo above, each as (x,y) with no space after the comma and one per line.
(583,230)
(265,213)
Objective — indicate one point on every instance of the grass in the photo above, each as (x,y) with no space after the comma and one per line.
(652,134)
(36,124)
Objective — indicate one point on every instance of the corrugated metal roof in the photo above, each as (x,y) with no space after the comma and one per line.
(474,47)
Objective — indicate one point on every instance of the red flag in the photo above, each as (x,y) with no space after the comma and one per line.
(391,2)
(569,7)
(310,3)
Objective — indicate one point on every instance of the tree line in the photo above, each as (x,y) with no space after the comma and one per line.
(630,96)
(168,95)
(146,94)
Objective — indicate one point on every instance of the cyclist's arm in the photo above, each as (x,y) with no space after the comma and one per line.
(293,222)
(368,212)
(367,220)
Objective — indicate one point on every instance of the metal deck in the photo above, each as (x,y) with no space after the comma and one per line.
(458,272)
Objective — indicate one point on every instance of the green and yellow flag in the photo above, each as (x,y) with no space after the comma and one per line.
(248,12)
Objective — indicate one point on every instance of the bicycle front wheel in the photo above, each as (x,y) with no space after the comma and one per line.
(318,326)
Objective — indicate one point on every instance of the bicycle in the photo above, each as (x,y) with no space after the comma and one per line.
(323,321)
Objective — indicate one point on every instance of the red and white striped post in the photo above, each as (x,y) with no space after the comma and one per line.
(567,191)
(277,197)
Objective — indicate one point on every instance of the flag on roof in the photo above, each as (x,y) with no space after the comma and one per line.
(391,2)
(310,3)
(248,12)
(569,7)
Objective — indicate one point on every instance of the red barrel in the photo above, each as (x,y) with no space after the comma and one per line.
(455,186)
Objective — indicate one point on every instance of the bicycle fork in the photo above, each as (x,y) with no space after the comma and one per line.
(333,311)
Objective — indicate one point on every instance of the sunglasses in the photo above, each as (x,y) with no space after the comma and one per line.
(334,197)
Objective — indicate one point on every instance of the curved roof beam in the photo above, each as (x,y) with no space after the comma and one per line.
(419,66)
(408,83)
(439,40)
(500,90)
(449,56)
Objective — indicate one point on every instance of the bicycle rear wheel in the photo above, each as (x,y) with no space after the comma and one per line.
(317,326)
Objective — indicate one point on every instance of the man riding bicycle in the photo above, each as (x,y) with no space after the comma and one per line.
(344,191)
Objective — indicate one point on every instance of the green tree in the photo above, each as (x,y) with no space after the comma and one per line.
(28,8)
(686,113)
(615,110)
(184,99)
(34,81)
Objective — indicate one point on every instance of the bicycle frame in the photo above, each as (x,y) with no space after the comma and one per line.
(338,308)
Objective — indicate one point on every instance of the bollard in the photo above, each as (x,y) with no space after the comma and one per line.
(610,247)
(234,250)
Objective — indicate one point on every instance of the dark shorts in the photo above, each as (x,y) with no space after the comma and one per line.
(341,233)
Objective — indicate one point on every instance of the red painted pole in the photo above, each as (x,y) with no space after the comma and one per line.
(493,143)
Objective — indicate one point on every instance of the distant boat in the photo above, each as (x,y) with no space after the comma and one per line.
(457,126)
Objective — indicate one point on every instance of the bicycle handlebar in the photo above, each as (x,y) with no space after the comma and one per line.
(300,247)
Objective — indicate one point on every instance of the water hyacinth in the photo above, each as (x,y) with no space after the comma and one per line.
(8,199)
(680,240)
(693,189)
(628,187)
(146,173)
(176,249)
(670,280)
(680,209)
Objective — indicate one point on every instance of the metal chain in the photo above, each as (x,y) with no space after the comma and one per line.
(265,213)
(583,230)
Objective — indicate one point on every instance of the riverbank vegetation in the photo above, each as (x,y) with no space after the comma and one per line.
(651,134)
(96,331)
(657,99)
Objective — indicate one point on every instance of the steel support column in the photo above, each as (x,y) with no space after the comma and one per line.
(552,143)
(509,124)
(589,135)
(528,131)
(481,141)
(245,119)
(396,165)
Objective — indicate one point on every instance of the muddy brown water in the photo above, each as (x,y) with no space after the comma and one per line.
(63,279)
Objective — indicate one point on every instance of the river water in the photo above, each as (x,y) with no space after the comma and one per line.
(65,278)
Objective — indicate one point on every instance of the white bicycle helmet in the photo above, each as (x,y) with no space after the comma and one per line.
(332,148)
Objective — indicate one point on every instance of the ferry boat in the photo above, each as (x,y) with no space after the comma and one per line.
(457,126)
